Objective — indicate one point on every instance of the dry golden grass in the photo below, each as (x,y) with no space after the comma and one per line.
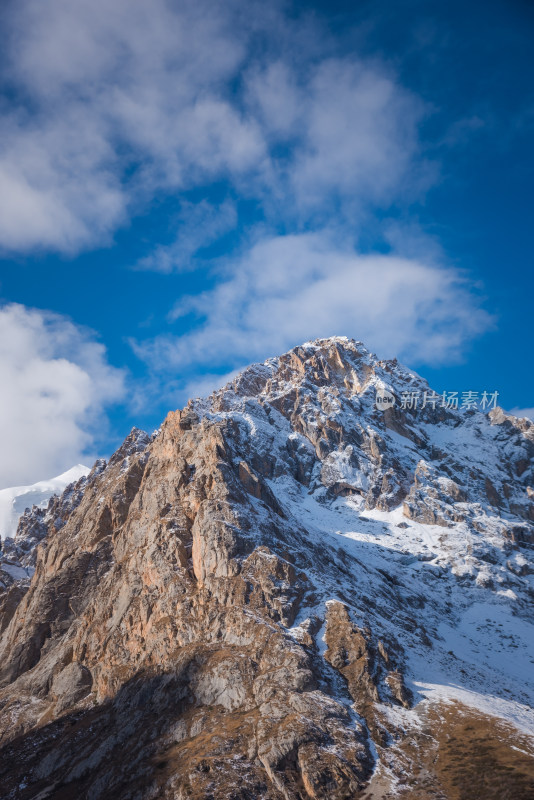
(482,757)
(458,754)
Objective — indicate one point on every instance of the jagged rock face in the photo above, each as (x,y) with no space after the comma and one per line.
(194,628)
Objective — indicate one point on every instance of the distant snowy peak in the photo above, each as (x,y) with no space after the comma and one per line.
(14,500)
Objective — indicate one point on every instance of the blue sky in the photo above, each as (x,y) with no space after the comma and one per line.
(189,187)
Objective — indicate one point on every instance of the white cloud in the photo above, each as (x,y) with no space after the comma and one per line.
(351,133)
(58,187)
(360,135)
(112,104)
(55,382)
(288,289)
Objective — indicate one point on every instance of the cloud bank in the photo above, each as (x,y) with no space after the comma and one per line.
(112,105)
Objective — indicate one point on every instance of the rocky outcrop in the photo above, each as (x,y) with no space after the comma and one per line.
(350,652)
(366,666)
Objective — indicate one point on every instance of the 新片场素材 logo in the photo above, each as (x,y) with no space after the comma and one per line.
(415,400)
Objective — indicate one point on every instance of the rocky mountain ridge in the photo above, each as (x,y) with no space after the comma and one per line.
(276,596)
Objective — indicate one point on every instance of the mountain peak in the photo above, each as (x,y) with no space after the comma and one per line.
(336,363)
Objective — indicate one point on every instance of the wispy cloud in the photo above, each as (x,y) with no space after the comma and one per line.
(56,382)
(351,132)
(289,289)
(198,226)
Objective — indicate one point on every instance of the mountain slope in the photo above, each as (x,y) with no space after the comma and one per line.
(285,593)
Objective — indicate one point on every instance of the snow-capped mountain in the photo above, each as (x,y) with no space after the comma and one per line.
(285,593)
(15,500)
